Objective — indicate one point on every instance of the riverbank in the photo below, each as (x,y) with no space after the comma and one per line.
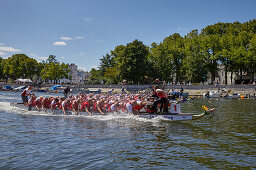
(193,90)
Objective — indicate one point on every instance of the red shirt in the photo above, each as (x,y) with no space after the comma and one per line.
(86,105)
(162,95)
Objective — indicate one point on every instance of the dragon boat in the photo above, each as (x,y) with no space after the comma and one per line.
(173,114)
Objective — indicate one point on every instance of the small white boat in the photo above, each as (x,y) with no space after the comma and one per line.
(232,96)
(212,94)
(20,88)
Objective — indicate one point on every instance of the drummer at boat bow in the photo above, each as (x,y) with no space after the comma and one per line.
(162,98)
(25,94)
(66,91)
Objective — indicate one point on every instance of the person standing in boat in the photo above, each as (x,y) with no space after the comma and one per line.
(25,94)
(162,98)
(66,91)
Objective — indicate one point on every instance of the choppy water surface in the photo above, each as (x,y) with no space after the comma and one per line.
(30,140)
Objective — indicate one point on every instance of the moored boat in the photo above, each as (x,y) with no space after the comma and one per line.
(212,94)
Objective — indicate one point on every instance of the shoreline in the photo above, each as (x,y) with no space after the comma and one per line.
(193,90)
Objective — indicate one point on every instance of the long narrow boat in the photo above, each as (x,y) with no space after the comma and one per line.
(169,116)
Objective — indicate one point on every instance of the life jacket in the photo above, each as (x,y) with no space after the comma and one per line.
(73,105)
(24,93)
(46,104)
(101,106)
(162,94)
(66,105)
(86,104)
(37,101)
(54,104)
(31,102)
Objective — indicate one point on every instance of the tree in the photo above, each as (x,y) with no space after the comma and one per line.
(211,47)
(20,66)
(251,57)
(160,61)
(194,60)
(106,62)
(111,74)
(132,62)
(6,69)
(53,70)
(51,59)
(174,45)
(1,68)
(95,76)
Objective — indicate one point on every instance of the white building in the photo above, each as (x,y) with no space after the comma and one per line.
(83,76)
(77,76)
(73,73)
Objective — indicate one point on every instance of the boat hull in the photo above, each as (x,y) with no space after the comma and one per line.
(169,117)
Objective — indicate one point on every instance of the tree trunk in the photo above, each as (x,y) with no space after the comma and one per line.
(226,75)
(213,76)
(253,72)
(241,76)
(231,77)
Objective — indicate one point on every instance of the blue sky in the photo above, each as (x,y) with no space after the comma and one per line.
(82,31)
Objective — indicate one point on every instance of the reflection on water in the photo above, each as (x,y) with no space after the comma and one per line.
(41,141)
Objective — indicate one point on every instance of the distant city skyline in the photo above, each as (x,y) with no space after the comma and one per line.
(82,31)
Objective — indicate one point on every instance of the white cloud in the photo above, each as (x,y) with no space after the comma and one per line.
(9,49)
(1,43)
(38,58)
(87,68)
(60,43)
(88,19)
(82,68)
(2,53)
(82,53)
(179,28)
(66,38)
(79,37)
(91,67)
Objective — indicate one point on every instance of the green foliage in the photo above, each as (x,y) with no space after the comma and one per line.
(1,68)
(188,58)
(132,63)
(53,70)
(19,66)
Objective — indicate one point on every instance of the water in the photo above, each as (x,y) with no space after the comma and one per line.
(32,140)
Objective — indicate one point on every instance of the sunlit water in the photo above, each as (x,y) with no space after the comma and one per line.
(32,140)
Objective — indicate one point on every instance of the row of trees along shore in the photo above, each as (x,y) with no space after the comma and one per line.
(188,58)
(22,66)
